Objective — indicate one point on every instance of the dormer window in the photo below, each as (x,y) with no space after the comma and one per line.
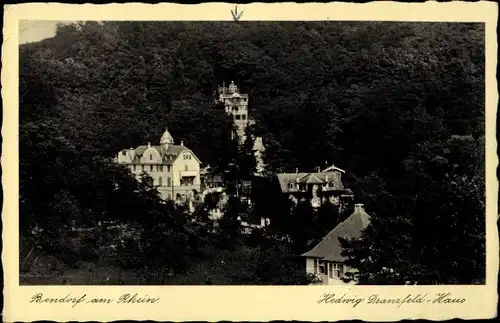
(290,185)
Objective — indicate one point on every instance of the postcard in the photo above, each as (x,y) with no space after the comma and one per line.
(255,162)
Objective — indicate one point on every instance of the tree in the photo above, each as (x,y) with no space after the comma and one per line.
(434,236)
(229,225)
(246,159)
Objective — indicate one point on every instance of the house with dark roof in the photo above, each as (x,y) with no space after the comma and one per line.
(325,259)
(318,187)
(175,169)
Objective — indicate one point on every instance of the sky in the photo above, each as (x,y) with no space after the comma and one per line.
(36,30)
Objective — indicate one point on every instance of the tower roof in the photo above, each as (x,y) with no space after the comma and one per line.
(166,138)
(232,87)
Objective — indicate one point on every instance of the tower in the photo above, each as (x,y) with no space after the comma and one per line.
(166,139)
(235,104)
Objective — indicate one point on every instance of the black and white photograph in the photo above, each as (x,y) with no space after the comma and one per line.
(251,153)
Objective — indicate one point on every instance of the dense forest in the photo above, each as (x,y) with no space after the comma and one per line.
(399,106)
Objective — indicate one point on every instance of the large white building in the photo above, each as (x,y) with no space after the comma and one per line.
(175,169)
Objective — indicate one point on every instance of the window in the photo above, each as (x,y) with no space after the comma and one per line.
(335,271)
(150,156)
(321,267)
(150,168)
(134,168)
(187,181)
(237,116)
(124,153)
(243,117)
(160,168)
(142,166)
(290,185)
(169,181)
(185,168)
(168,168)
(235,109)
(160,181)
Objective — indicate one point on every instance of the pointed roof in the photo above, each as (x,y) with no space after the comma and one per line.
(333,168)
(258,144)
(166,138)
(311,179)
(285,179)
(330,248)
(232,87)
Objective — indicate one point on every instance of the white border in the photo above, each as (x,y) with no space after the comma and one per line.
(242,302)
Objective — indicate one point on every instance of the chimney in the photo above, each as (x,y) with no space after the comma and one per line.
(149,145)
(182,143)
(296,170)
(359,207)
(319,169)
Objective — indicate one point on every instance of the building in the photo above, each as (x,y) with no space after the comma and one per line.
(259,150)
(236,104)
(175,169)
(325,259)
(210,180)
(318,187)
(248,225)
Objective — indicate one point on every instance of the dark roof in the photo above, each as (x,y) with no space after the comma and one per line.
(330,248)
(173,151)
(312,179)
(285,179)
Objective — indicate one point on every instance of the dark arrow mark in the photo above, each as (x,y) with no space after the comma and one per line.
(235,14)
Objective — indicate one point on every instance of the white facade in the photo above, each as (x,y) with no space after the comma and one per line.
(174,169)
(329,273)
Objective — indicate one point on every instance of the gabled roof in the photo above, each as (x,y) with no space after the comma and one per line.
(312,179)
(285,179)
(330,248)
(333,168)
(173,151)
